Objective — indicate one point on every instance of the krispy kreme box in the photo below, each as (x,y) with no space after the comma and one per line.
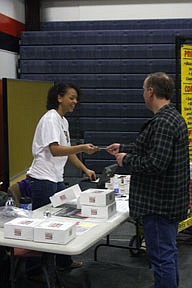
(55,231)
(97,197)
(65,195)
(21,228)
(98,211)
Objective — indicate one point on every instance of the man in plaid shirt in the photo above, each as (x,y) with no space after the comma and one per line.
(158,162)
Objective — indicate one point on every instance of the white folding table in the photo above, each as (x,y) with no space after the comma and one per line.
(81,243)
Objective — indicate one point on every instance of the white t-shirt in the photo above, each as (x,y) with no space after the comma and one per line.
(51,128)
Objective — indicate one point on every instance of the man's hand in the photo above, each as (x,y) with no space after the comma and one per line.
(119,158)
(113,149)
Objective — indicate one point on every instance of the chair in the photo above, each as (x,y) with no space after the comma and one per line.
(19,256)
(20,189)
(16,193)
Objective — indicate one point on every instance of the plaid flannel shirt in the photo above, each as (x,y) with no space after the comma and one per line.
(158,162)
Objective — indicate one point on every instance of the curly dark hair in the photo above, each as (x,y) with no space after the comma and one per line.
(58,89)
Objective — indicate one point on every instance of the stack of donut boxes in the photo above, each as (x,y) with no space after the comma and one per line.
(98,203)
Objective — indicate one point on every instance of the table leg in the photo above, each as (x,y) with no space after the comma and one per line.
(49,269)
(12,268)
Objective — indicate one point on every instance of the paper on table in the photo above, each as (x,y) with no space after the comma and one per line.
(82,227)
(122,206)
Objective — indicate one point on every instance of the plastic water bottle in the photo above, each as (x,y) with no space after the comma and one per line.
(25,203)
(116,184)
(46,214)
(10,201)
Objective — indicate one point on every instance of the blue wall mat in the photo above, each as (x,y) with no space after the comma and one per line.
(107,95)
(102,37)
(117,24)
(114,110)
(111,124)
(125,95)
(93,80)
(97,66)
(102,138)
(153,51)
(79,126)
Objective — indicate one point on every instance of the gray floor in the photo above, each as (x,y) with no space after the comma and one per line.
(117,268)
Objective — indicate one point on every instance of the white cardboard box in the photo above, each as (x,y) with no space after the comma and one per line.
(21,228)
(98,211)
(97,197)
(54,231)
(65,195)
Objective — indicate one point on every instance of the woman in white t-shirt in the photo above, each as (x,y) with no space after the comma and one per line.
(51,148)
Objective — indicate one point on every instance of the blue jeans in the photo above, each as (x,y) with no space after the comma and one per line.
(41,190)
(160,236)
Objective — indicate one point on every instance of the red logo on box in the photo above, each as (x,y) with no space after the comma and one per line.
(93,211)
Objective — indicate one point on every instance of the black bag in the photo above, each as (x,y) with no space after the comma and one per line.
(4,268)
(3,198)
